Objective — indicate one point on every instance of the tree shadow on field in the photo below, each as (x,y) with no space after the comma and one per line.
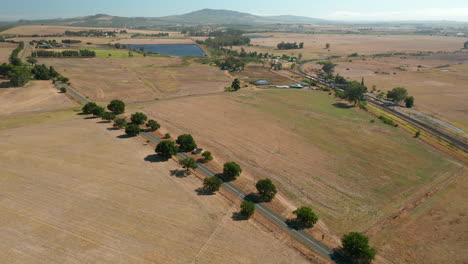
(342,105)
(253,197)
(81,113)
(155,158)
(91,117)
(6,84)
(103,122)
(179,173)
(113,128)
(123,136)
(203,191)
(237,216)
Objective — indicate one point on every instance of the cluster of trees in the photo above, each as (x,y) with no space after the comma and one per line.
(90,33)
(466,45)
(64,54)
(118,46)
(234,86)
(161,34)
(215,33)
(45,44)
(71,41)
(14,59)
(223,41)
(18,75)
(41,72)
(399,94)
(231,64)
(290,45)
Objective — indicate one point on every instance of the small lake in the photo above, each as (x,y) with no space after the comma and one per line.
(180,50)
(255,36)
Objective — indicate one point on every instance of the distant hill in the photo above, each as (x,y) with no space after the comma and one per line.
(201,17)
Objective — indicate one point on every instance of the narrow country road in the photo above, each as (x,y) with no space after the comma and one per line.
(300,235)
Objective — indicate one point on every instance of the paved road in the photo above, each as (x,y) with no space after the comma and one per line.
(302,236)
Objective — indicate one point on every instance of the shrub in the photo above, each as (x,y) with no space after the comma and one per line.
(132,130)
(167,136)
(212,184)
(138,118)
(120,122)
(418,133)
(188,163)
(231,171)
(186,142)
(63,89)
(387,120)
(247,209)
(166,149)
(409,101)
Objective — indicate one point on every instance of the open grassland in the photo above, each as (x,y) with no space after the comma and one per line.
(438,90)
(318,151)
(342,45)
(5,51)
(36,96)
(254,73)
(48,29)
(436,232)
(139,79)
(72,192)
(84,40)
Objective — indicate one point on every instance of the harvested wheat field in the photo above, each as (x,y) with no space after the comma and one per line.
(140,79)
(36,96)
(319,152)
(5,51)
(342,45)
(51,29)
(73,192)
(438,83)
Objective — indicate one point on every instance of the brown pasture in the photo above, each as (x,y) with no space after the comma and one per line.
(36,96)
(140,79)
(342,45)
(5,51)
(73,192)
(49,29)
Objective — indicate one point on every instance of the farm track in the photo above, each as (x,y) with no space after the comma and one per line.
(275,218)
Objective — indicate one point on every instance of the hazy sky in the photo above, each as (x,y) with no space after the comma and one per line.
(328,9)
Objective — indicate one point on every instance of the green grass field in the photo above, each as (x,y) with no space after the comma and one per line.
(115,53)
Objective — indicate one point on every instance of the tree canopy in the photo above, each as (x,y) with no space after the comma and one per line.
(235,84)
(186,142)
(247,209)
(212,184)
(153,125)
(166,149)
(98,111)
(108,116)
(266,189)
(356,246)
(117,107)
(355,92)
(120,122)
(305,216)
(207,156)
(188,164)
(132,130)
(138,118)
(409,101)
(231,171)
(397,94)
(88,108)
(327,66)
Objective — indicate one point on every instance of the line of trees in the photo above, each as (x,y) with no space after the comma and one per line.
(160,34)
(223,41)
(290,45)
(71,41)
(90,33)
(64,54)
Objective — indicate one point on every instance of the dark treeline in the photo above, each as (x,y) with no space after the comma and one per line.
(224,41)
(290,45)
(64,54)
(41,72)
(118,46)
(71,41)
(14,59)
(45,44)
(161,34)
(90,33)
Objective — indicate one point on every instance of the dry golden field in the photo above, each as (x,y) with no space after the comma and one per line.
(342,45)
(36,96)
(48,29)
(139,79)
(73,192)
(5,51)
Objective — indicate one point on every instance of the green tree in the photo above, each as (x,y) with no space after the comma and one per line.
(247,209)
(305,216)
(132,130)
(235,84)
(32,60)
(207,156)
(152,125)
(117,107)
(108,116)
(355,92)
(19,76)
(166,149)
(186,142)
(188,164)
(138,118)
(63,89)
(266,189)
(98,111)
(231,171)
(409,101)
(212,184)
(327,46)
(397,94)
(88,108)
(120,122)
(167,136)
(418,133)
(328,67)
(356,246)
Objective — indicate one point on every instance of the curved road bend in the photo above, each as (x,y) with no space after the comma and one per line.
(300,235)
